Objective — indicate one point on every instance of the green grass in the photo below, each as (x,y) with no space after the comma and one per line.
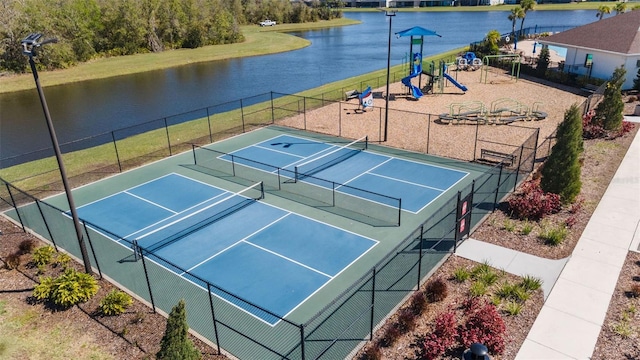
(26,332)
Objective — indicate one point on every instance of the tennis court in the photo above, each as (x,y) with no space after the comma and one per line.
(351,168)
(276,260)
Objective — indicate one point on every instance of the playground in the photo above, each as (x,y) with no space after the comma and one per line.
(416,124)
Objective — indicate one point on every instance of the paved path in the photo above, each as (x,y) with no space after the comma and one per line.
(578,289)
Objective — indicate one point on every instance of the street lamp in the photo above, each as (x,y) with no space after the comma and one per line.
(390,14)
(30,45)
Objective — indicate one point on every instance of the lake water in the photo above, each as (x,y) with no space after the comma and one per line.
(98,106)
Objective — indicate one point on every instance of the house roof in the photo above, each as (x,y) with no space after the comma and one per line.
(619,34)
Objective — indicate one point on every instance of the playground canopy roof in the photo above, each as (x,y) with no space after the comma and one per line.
(417,31)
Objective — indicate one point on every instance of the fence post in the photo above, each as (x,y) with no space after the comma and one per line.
(242,115)
(304,112)
(273,114)
(495,200)
(166,128)
(373,301)
(213,317)
(15,206)
(428,130)
(302,342)
(146,276)
(420,257)
(475,143)
(46,224)
(515,182)
(209,125)
(115,146)
(93,252)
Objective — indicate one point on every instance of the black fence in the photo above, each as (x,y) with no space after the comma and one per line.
(348,320)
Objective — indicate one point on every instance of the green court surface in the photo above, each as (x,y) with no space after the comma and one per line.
(115,260)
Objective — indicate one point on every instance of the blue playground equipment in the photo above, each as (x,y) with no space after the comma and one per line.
(417,34)
(452,80)
(416,70)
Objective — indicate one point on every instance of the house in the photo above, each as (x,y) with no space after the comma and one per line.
(596,49)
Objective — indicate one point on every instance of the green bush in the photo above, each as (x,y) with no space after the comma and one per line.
(43,255)
(115,302)
(531,283)
(461,274)
(554,236)
(513,308)
(68,289)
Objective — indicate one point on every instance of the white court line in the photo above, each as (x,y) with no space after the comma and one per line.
(408,182)
(239,241)
(288,259)
(150,202)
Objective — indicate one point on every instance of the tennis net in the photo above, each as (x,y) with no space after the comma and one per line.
(330,158)
(199,219)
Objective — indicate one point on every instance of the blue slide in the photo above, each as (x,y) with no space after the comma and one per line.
(417,70)
(457,84)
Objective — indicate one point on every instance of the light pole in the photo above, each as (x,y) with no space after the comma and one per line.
(30,45)
(390,14)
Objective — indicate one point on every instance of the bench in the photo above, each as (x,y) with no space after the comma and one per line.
(590,88)
(353,94)
(503,158)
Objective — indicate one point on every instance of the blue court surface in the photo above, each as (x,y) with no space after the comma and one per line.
(417,184)
(268,256)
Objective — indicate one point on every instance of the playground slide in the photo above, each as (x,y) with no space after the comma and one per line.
(454,82)
(415,91)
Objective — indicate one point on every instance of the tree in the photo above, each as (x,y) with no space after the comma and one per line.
(561,171)
(543,62)
(603,9)
(175,342)
(609,110)
(515,14)
(526,6)
(620,8)
(490,44)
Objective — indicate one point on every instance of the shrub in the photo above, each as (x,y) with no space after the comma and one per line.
(371,353)
(13,261)
(418,302)
(488,278)
(513,308)
(390,335)
(62,259)
(480,269)
(609,110)
(531,283)
(443,337)
(509,225)
(115,302)
(555,235)
(43,255)
(436,290)
(532,203)
(406,320)
(484,326)
(26,246)
(461,274)
(527,227)
(175,343)
(68,289)
(478,289)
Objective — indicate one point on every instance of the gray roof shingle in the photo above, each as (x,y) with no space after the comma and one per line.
(619,34)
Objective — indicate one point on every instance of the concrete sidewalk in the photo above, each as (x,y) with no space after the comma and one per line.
(578,289)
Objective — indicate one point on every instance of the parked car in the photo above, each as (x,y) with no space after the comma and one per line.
(267,23)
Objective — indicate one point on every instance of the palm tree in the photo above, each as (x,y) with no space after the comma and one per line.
(620,8)
(516,13)
(526,5)
(603,9)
